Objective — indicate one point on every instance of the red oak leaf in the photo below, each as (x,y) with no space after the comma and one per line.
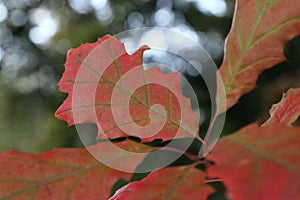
(170,183)
(287,110)
(256,41)
(62,173)
(110,88)
(259,163)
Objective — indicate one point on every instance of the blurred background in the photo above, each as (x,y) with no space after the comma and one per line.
(35,36)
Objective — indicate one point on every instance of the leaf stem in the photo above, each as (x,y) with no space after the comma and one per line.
(208,135)
(214,180)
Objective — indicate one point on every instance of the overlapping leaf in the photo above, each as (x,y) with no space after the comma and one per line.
(170,183)
(255,42)
(94,71)
(259,163)
(62,173)
(287,110)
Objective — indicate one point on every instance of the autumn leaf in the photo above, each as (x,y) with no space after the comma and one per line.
(259,32)
(184,182)
(110,88)
(62,173)
(259,163)
(287,110)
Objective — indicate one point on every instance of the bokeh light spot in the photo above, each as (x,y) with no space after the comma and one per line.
(3,13)
(164,17)
(46,26)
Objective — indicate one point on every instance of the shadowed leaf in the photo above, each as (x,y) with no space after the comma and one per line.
(259,163)
(170,183)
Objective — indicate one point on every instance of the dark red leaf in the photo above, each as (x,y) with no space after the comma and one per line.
(259,163)
(169,183)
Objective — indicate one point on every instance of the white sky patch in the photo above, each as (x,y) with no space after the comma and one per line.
(46,23)
(18,18)
(1,53)
(80,6)
(3,13)
(183,40)
(154,38)
(104,15)
(186,31)
(135,20)
(164,17)
(98,4)
(213,42)
(101,8)
(212,7)
(129,44)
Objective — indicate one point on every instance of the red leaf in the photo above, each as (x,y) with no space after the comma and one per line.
(259,163)
(169,183)
(94,70)
(60,174)
(287,110)
(255,43)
